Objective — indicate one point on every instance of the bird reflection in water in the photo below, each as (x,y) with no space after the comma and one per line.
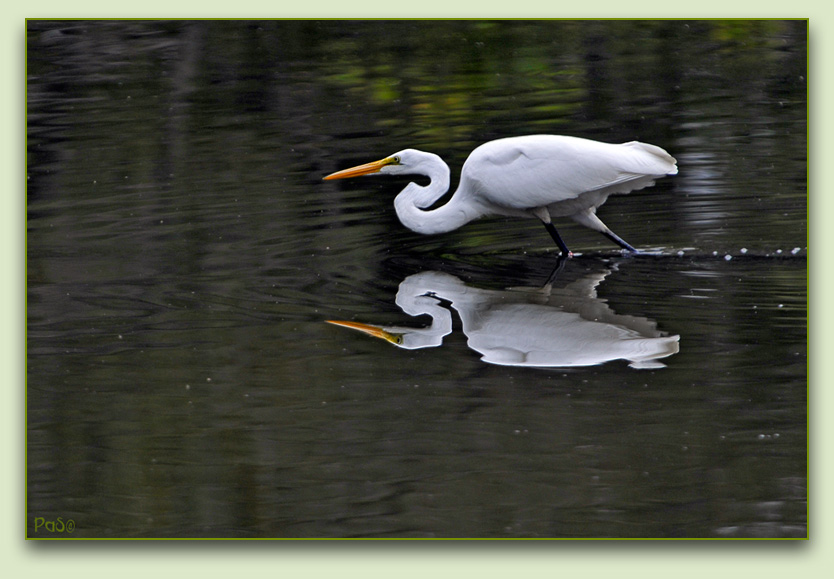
(544,327)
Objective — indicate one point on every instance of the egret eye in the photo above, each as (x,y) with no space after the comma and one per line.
(396,160)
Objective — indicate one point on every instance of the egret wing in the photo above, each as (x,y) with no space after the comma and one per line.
(527,172)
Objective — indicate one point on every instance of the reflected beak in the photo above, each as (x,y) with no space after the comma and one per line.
(366,169)
(374,331)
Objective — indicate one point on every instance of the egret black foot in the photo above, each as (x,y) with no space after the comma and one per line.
(619,241)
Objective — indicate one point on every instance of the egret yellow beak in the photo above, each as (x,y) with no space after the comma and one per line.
(374,331)
(366,169)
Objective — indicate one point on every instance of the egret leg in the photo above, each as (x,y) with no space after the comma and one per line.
(589,218)
(558,238)
(560,266)
(619,240)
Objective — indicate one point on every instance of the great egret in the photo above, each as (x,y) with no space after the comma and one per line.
(544,328)
(539,176)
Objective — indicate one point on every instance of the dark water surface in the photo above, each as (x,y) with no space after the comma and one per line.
(184,256)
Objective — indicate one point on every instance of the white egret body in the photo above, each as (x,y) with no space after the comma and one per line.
(539,176)
(546,328)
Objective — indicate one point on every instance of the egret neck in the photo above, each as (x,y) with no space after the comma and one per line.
(412,204)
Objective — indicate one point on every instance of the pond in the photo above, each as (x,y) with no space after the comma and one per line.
(186,260)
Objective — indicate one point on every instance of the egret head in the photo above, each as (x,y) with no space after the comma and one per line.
(406,338)
(407,161)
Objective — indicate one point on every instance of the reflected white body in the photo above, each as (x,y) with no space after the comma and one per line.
(541,328)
